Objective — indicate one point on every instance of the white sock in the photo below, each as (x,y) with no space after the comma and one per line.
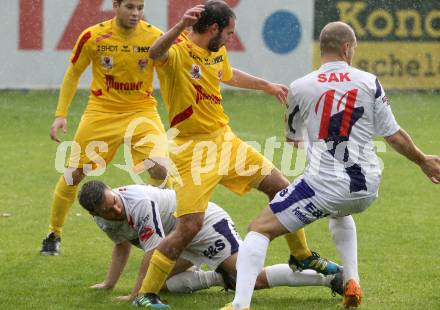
(250,262)
(343,230)
(282,275)
(191,281)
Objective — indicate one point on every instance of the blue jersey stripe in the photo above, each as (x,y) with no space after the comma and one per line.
(290,120)
(302,191)
(223,229)
(156,224)
(378,89)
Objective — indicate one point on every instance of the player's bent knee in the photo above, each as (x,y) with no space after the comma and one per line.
(273,183)
(189,225)
(257,227)
(268,225)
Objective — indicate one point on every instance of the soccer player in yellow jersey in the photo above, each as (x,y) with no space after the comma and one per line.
(121,107)
(190,72)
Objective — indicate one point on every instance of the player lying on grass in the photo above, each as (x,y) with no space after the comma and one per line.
(143,215)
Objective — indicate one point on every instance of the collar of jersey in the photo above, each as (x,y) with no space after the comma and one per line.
(335,64)
(120,32)
(197,49)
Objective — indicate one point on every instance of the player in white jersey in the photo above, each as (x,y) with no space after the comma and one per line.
(143,215)
(337,110)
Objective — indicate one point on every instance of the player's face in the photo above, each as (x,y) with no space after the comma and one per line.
(223,37)
(112,208)
(129,13)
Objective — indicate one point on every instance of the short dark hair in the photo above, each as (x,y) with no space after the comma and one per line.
(216,12)
(91,195)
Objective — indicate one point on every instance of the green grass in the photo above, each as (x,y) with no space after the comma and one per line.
(398,236)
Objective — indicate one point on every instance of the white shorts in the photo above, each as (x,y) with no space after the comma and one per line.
(217,240)
(298,205)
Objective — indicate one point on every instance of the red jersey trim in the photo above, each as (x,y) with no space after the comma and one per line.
(97,93)
(81,43)
(105,36)
(182,116)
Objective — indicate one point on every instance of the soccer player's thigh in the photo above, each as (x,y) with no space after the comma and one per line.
(193,197)
(216,242)
(145,136)
(96,140)
(298,205)
(247,168)
(193,187)
(351,206)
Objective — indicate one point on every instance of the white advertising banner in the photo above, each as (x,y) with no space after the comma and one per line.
(274,39)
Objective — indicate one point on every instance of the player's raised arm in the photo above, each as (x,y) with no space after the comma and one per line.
(242,79)
(430,164)
(159,50)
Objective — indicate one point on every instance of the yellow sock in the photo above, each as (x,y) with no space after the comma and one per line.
(158,270)
(63,198)
(298,244)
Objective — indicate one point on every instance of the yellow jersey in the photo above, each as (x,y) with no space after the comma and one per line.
(122,71)
(190,85)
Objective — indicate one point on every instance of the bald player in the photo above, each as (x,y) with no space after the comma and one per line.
(338,109)
(121,107)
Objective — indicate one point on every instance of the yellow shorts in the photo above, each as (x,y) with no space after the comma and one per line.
(100,134)
(204,161)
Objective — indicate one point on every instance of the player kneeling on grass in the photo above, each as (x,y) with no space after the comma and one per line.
(143,215)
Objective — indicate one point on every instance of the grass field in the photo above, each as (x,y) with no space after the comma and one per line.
(398,237)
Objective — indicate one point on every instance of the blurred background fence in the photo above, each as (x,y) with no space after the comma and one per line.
(277,39)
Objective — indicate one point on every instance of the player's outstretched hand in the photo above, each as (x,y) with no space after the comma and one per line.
(102,286)
(125,298)
(191,16)
(431,167)
(279,91)
(59,122)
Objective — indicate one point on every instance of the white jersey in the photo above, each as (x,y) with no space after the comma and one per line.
(150,217)
(147,223)
(337,110)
